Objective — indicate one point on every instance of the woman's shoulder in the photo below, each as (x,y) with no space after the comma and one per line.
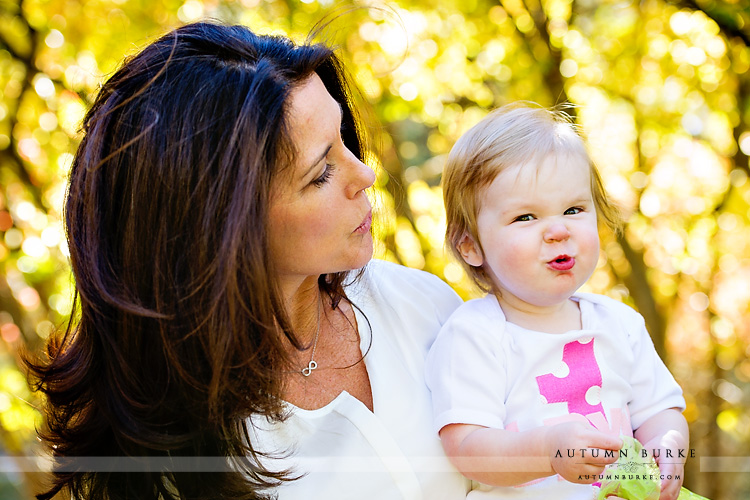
(383,273)
(400,284)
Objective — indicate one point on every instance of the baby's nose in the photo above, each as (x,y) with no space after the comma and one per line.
(556,231)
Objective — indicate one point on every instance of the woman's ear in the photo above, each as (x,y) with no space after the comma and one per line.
(470,251)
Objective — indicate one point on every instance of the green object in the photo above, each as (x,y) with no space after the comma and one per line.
(686,494)
(635,476)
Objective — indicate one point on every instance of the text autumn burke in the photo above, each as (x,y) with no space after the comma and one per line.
(596,453)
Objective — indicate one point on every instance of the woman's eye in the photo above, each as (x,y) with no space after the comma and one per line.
(323,178)
(573,211)
(524,218)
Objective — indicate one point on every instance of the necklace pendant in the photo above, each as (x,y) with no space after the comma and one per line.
(307,371)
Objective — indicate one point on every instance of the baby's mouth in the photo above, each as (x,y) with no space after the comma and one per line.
(562,263)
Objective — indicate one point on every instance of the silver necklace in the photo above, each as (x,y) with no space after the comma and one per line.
(312,365)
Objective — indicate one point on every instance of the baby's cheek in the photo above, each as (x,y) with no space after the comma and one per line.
(514,267)
(521,252)
(589,242)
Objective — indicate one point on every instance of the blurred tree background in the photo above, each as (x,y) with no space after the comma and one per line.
(661,89)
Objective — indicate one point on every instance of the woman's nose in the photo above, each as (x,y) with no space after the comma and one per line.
(557,231)
(362,178)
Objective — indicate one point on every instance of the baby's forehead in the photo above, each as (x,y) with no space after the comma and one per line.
(540,164)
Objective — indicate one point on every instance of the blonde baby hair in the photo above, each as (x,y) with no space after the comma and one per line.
(514,134)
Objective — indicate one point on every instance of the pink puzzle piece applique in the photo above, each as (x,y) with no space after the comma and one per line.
(583,374)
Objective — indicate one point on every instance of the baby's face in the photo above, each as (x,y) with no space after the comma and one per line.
(538,229)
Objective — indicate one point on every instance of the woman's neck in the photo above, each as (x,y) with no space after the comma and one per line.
(302,303)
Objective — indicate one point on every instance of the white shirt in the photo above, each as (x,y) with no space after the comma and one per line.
(485,371)
(345,451)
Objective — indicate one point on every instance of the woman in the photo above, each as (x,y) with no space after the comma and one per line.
(216,206)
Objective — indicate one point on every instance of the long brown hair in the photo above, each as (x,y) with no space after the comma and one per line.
(176,340)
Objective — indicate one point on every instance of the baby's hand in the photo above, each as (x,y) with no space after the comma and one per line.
(670,484)
(671,465)
(589,447)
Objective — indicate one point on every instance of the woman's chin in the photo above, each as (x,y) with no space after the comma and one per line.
(365,254)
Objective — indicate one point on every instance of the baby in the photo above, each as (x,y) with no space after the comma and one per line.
(534,384)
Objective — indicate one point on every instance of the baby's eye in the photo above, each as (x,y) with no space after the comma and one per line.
(573,211)
(524,218)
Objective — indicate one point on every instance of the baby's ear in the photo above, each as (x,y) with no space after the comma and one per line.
(470,251)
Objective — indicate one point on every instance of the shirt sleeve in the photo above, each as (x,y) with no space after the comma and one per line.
(465,369)
(654,388)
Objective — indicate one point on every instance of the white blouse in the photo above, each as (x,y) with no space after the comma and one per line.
(345,451)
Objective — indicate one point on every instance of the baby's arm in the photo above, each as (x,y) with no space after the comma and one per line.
(505,458)
(667,432)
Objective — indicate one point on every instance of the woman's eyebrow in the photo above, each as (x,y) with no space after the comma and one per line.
(317,161)
(328,149)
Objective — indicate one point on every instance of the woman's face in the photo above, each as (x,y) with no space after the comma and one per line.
(319,215)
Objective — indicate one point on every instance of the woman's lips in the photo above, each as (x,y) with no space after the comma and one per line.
(366,224)
(562,263)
